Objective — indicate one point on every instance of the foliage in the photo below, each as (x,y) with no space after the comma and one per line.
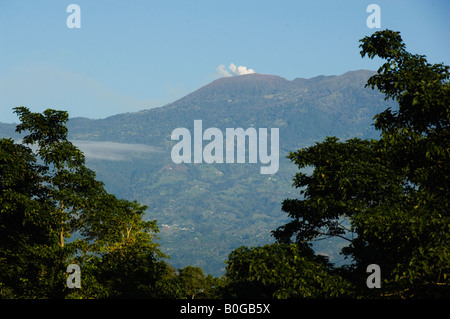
(282,271)
(28,247)
(417,139)
(49,196)
(388,197)
(193,284)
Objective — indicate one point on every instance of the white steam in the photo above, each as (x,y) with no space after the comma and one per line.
(235,70)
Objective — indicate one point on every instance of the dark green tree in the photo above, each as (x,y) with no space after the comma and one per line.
(281,271)
(194,284)
(28,247)
(54,213)
(389,197)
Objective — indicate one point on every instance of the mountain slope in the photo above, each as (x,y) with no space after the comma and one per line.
(206,210)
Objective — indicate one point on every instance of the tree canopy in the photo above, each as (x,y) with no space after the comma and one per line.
(282,271)
(389,197)
(55,213)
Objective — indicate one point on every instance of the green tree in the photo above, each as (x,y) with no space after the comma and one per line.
(281,271)
(28,249)
(389,197)
(416,137)
(194,284)
(54,212)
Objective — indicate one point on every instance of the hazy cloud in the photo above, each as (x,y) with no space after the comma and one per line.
(113,151)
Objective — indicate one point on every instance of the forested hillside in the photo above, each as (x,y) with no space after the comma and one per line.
(205,211)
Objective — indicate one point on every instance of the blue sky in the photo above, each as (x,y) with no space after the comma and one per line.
(133,55)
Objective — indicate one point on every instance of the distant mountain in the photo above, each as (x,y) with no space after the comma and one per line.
(329,103)
(206,210)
